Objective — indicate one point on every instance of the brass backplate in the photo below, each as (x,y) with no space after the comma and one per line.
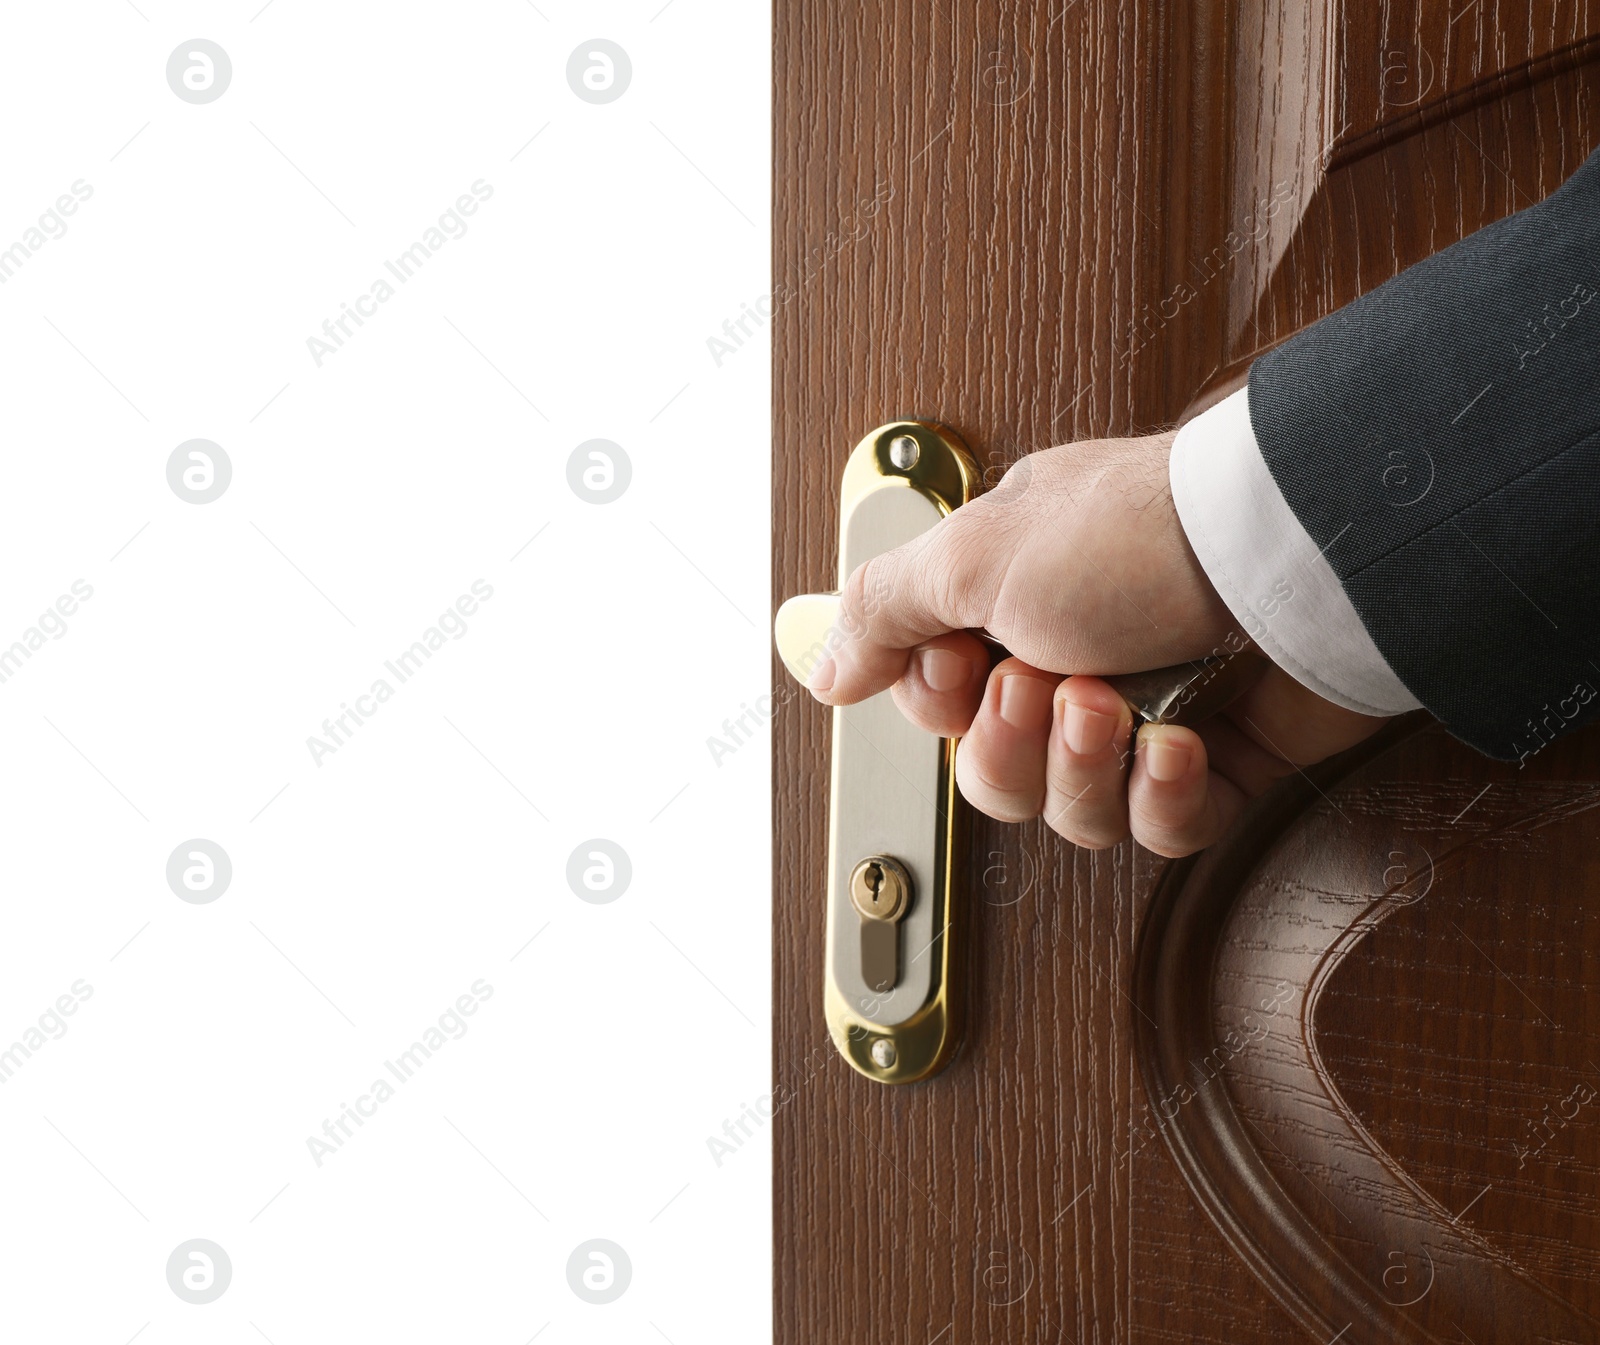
(892,787)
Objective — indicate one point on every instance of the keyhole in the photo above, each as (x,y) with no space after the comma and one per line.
(875,882)
(880,890)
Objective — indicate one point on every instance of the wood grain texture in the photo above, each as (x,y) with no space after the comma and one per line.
(1349,941)
(1492,1094)
(1439,58)
(984,214)
(1323,102)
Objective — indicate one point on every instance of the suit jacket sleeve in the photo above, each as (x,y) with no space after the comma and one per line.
(1439,441)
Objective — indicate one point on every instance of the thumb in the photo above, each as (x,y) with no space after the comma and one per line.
(933,584)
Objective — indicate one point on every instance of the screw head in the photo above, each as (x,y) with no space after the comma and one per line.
(904,452)
(882,1053)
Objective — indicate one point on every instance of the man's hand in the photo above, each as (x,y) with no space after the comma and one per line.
(1078,564)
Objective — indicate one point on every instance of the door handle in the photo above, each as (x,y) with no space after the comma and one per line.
(894,840)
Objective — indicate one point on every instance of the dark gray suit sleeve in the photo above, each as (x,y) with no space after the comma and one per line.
(1440,437)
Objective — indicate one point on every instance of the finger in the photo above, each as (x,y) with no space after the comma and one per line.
(1176,803)
(1236,756)
(1000,766)
(1275,729)
(1188,786)
(1292,722)
(1086,771)
(896,601)
(943,683)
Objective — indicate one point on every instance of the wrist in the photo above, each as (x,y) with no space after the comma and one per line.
(1275,583)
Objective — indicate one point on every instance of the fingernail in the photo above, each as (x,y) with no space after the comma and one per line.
(1087,731)
(1164,759)
(822,676)
(1025,702)
(943,670)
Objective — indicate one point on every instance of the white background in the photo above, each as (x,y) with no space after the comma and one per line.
(374,886)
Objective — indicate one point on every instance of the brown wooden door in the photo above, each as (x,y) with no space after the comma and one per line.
(1339,1078)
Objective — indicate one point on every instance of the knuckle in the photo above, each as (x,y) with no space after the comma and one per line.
(939,578)
(876,595)
(958,565)
(1008,809)
(990,799)
(1083,828)
(1166,837)
(1166,847)
(930,711)
(1098,841)
(858,598)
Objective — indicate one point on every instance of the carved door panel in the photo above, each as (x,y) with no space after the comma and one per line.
(1338,1078)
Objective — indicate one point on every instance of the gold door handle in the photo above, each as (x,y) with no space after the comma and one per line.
(893,926)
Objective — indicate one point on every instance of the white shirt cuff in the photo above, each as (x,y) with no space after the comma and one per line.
(1264,565)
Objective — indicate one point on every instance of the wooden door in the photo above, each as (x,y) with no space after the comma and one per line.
(1338,1078)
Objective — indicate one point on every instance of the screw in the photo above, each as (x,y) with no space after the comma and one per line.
(883,1054)
(904,452)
